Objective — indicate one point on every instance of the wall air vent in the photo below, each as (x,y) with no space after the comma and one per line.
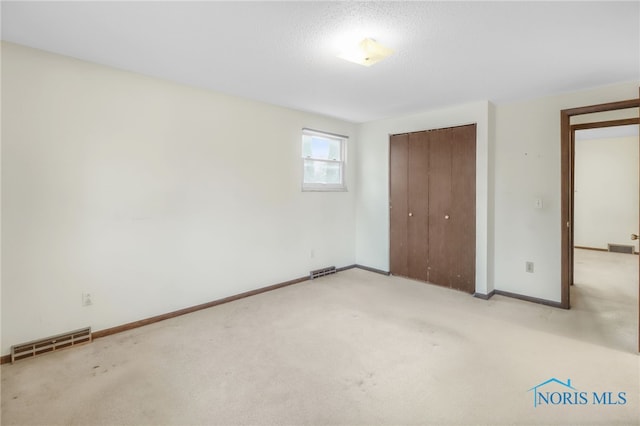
(322,272)
(50,344)
(620,248)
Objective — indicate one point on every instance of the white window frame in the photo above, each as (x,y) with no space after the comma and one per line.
(326,187)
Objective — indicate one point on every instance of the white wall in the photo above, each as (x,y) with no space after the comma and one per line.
(527,166)
(372,241)
(606,191)
(151,196)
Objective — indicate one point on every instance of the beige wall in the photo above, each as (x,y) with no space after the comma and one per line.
(149,195)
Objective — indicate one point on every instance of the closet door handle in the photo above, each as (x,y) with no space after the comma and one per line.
(446,216)
(410,214)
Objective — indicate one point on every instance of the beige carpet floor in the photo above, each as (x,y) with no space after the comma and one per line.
(355,348)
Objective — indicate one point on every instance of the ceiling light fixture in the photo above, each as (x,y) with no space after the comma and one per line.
(367,53)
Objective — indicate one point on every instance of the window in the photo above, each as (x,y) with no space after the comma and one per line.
(323,161)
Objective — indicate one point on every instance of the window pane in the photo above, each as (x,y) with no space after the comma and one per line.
(322,172)
(306,146)
(335,153)
(321,148)
(332,173)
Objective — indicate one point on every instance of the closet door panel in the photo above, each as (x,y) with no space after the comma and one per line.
(439,207)
(462,229)
(398,207)
(418,199)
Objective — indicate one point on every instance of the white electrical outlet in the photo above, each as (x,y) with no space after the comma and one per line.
(86,299)
(529,267)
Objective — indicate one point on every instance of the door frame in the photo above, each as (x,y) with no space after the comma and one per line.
(567,156)
(584,126)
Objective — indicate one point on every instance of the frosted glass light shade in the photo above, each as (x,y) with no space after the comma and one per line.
(367,53)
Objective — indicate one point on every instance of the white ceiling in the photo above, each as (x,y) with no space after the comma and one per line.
(284,53)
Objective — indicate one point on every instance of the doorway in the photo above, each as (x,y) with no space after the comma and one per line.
(567,183)
(606,212)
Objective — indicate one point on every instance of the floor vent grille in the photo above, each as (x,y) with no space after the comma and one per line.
(50,344)
(322,272)
(620,248)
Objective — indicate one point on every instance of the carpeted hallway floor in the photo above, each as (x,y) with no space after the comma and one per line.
(355,348)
